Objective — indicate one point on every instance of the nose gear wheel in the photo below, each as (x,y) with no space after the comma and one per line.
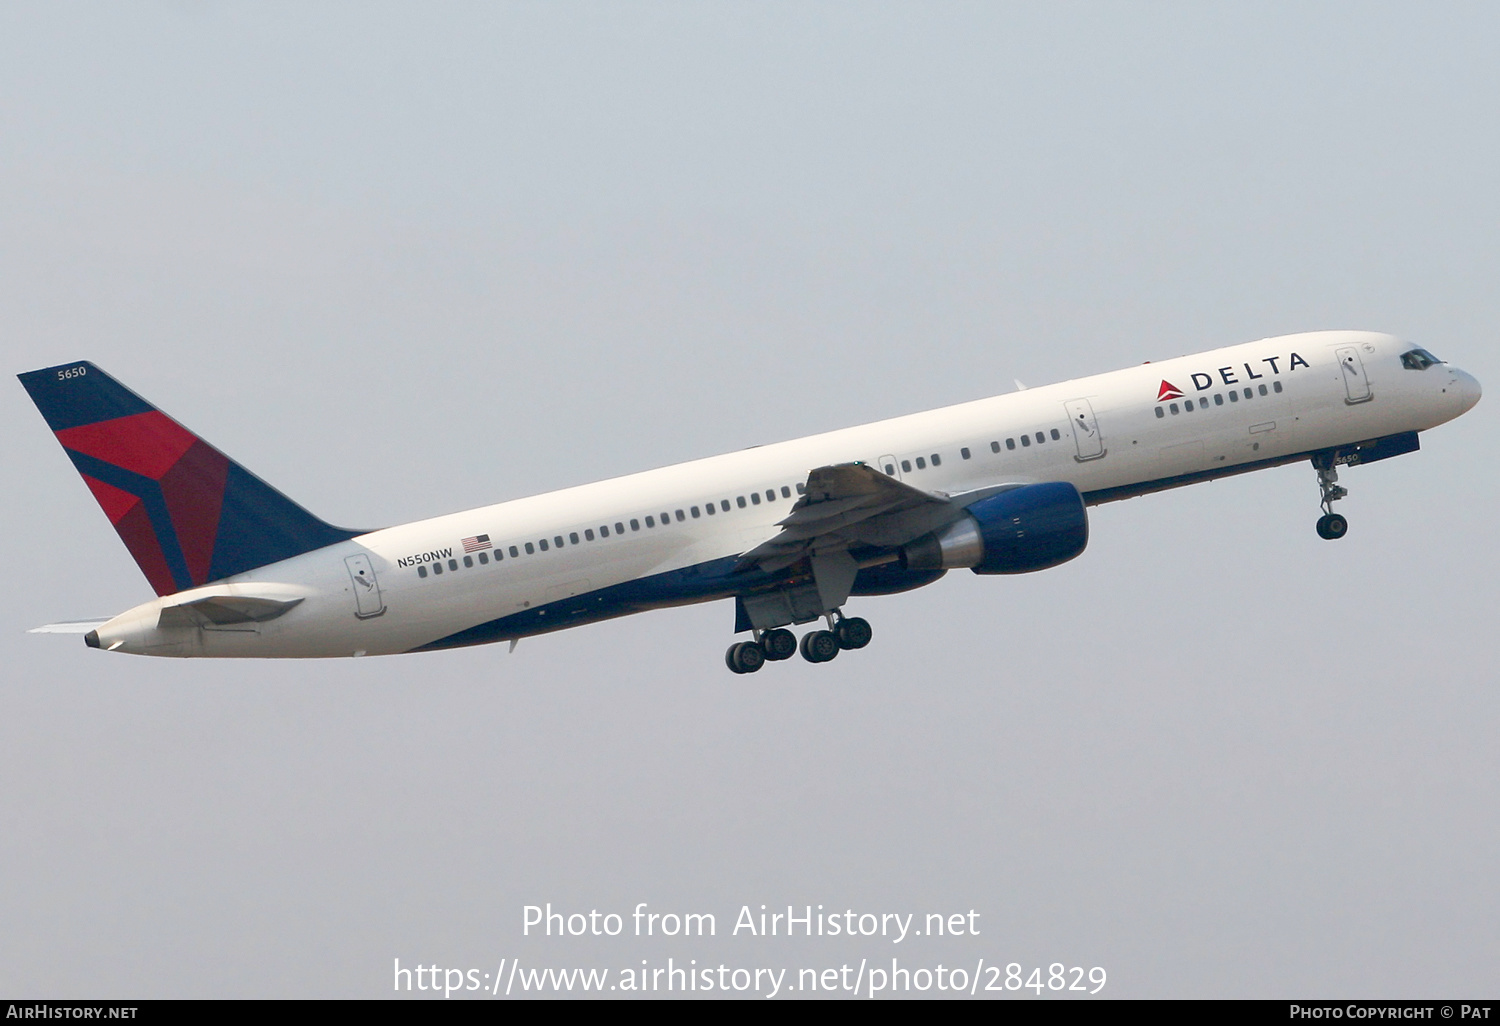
(1331,526)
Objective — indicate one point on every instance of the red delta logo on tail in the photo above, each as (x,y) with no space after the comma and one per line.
(187,513)
(1168,391)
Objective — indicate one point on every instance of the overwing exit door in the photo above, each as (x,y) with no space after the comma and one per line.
(367,600)
(1085,430)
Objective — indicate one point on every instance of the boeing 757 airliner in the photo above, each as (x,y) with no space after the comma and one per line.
(789,531)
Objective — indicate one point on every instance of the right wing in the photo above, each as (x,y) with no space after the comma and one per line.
(846,504)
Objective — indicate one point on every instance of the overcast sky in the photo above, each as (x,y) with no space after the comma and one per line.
(405,260)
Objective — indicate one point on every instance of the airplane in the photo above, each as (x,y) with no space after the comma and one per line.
(789,532)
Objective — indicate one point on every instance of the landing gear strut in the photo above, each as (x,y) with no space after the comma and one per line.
(1331,525)
(820,646)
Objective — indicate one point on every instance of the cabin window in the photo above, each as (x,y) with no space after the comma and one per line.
(515,554)
(1262,389)
(619,528)
(1249,393)
(724,505)
(964,453)
(604,530)
(786,493)
(906,466)
(558,541)
(437,568)
(890,470)
(1056,434)
(484,558)
(1010,443)
(469,562)
(801,488)
(665,519)
(542,544)
(740,501)
(755,498)
(573,537)
(1173,408)
(921,463)
(1188,407)
(770,495)
(1218,399)
(708,508)
(650,521)
(995,447)
(1160,413)
(635,525)
(937,461)
(1025,441)
(588,534)
(1276,386)
(421,571)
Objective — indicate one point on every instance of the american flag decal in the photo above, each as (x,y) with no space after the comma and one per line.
(479,541)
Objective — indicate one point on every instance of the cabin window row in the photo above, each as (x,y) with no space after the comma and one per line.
(936,459)
(1188,406)
(1026,440)
(482,542)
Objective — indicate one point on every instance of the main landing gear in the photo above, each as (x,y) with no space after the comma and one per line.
(1331,526)
(817,646)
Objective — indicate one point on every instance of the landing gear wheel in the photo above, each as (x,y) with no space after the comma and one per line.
(855,632)
(1332,526)
(819,646)
(745,657)
(778,644)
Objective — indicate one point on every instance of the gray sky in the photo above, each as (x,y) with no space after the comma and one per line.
(405,260)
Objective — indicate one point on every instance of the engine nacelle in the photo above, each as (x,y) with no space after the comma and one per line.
(1016,532)
(891,579)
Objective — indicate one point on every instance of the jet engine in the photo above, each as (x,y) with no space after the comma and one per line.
(1016,532)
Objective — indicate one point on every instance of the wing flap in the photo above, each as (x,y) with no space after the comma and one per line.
(841,504)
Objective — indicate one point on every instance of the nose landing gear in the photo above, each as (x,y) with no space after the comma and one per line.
(1331,526)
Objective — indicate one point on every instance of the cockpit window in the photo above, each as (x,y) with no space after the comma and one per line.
(1418,359)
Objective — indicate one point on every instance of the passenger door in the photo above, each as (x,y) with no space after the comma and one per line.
(1085,430)
(367,600)
(1356,385)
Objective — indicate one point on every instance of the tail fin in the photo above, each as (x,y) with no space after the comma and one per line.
(187,513)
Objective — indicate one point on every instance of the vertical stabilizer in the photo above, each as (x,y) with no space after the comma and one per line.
(187,513)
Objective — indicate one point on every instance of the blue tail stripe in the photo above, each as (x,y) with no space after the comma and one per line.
(258,525)
(88,398)
(150,494)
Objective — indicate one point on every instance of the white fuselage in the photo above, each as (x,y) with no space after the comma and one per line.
(1109,435)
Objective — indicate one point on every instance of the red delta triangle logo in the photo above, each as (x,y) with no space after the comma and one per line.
(1168,391)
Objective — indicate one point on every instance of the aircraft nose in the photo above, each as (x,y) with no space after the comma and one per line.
(1467,387)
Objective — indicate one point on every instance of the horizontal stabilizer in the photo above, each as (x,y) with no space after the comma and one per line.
(224,610)
(69,627)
